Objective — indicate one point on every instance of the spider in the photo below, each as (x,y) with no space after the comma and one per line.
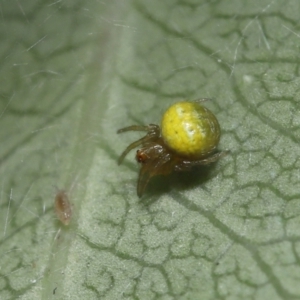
(188,137)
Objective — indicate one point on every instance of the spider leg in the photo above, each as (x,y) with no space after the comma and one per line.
(143,180)
(187,165)
(153,132)
(132,146)
(158,166)
(213,158)
(134,128)
(151,128)
(202,100)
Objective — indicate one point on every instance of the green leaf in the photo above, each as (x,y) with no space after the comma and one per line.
(72,73)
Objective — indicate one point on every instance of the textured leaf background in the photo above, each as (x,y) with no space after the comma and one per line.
(72,72)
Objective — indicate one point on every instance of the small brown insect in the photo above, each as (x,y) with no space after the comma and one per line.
(63,207)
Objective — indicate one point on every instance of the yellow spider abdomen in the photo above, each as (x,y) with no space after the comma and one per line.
(190,129)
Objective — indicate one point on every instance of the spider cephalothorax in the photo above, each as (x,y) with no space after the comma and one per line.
(189,136)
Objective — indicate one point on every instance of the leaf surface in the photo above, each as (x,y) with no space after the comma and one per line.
(72,73)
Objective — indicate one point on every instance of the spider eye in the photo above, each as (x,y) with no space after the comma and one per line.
(190,129)
(141,156)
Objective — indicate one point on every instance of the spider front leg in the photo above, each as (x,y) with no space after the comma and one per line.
(186,165)
(200,100)
(153,131)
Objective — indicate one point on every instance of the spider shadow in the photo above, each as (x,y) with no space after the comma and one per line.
(178,181)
